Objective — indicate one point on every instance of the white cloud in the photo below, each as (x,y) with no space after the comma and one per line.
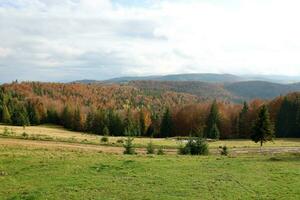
(99,39)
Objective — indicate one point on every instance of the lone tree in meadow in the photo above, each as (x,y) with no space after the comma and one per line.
(263,129)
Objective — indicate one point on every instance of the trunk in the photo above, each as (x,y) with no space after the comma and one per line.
(261,144)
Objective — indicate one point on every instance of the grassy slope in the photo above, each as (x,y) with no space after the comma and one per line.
(57,133)
(27,173)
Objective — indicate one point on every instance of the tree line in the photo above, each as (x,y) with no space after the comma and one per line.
(206,119)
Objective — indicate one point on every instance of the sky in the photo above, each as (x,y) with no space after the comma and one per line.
(64,40)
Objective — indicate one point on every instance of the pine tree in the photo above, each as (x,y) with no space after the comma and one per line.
(20,115)
(67,118)
(33,114)
(213,121)
(263,129)
(243,122)
(142,123)
(99,122)
(129,126)
(6,117)
(166,128)
(77,120)
(88,126)
(52,116)
(115,124)
(214,132)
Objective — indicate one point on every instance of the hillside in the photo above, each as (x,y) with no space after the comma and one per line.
(110,96)
(203,90)
(235,92)
(260,89)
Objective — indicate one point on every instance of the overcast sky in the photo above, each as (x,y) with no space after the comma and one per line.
(62,40)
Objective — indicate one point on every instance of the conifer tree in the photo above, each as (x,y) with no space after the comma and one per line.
(214,132)
(115,124)
(243,122)
(166,128)
(263,129)
(88,126)
(77,121)
(213,121)
(105,131)
(67,117)
(33,114)
(52,116)
(142,123)
(20,115)
(129,126)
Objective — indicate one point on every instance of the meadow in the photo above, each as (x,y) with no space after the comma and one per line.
(50,162)
(58,133)
(45,173)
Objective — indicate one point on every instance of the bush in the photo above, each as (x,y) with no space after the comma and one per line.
(150,148)
(104,139)
(224,151)
(160,151)
(129,147)
(6,131)
(120,141)
(24,135)
(194,146)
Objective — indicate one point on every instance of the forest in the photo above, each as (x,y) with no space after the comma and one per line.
(118,110)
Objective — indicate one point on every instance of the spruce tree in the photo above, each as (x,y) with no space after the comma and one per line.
(67,117)
(243,122)
(20,116)
(166,127)
(263,129)
(77,121)
(213,121)
(214,132)
(88,126)
(142,123)
(33,114)
(115,124)
(52,116)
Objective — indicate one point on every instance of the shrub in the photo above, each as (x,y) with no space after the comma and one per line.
(150,148)
(194,146)
(120,141)
(160,151)
(129,147)
(104,139)
(224,151)
(105,131)
(24,135)
(6,131)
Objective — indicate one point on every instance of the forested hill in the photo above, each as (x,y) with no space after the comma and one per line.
(111,96)
(233,92)
(144,108)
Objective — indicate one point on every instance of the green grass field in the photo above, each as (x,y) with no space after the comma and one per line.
(57,133)
(41,173)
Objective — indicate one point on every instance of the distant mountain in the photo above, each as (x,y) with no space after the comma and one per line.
(260,89)
(214,78)
(204,77)
(209,86)
(273,78)
(236,92)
